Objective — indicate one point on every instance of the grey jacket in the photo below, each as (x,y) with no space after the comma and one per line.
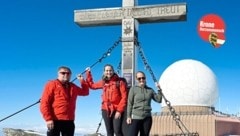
(139,102)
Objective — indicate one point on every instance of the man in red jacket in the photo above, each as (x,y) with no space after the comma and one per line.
(114,98)
(58,103)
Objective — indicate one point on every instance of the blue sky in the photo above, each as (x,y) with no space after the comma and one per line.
(38,36)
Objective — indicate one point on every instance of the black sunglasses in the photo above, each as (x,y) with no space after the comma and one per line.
(139,78)
(65,73)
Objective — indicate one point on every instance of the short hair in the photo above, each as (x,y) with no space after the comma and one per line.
(64,67)
(141,73)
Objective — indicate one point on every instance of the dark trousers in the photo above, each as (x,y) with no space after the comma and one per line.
(140,125)
(124,123)
(65,128)
(113,126)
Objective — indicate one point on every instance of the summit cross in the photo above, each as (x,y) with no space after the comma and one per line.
(130,15)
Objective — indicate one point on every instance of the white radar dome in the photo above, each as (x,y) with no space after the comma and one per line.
(189,82)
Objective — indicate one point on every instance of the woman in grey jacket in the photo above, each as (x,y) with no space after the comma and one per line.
(139,106)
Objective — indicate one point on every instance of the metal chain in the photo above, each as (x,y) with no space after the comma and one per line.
(119,67)
(175,116)
(105,55)
(99,125)
(20,111)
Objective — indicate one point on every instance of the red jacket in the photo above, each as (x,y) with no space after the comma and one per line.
(57,104)
(114,97)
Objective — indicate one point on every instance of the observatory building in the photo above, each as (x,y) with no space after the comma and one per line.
(191,90)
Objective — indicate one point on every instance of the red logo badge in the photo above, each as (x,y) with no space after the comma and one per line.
(211,28)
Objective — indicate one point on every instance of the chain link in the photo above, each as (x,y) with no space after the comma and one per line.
(175,116)
(105,55)
(147,67)
(119,67)
(20,110)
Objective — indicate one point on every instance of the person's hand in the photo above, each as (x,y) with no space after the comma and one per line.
(50,124)
(129,120)
(88,69)
(157,85)
(79,77)
(117,115)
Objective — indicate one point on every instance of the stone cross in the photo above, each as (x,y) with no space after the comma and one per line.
(130,16)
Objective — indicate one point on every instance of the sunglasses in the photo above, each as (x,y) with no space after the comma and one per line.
(64,73)
(139,78)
